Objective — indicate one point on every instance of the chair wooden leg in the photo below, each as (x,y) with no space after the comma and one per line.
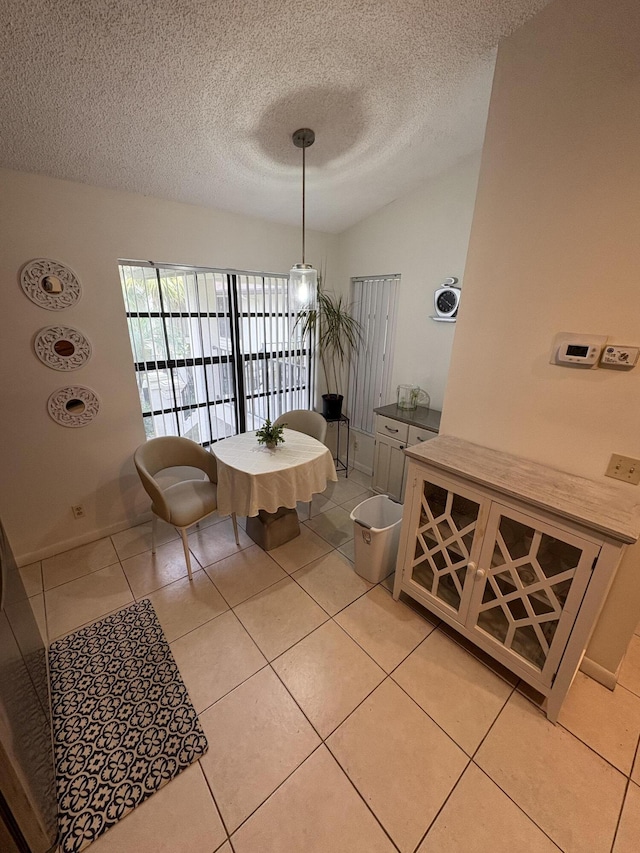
(235,527)
(187,555)
(154,524)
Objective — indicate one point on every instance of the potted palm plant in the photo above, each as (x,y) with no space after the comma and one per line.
(336,333)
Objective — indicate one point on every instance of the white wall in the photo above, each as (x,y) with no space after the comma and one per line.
(555,247)
(424,237)
(45,467)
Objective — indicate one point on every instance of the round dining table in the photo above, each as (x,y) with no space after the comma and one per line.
(253,477)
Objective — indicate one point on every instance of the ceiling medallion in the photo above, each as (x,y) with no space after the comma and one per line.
(49,284)
(73,406)
(62,348)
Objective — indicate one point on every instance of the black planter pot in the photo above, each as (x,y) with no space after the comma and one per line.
(332,406)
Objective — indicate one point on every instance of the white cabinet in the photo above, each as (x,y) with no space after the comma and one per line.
(388,460)
(522,581)
(392,437)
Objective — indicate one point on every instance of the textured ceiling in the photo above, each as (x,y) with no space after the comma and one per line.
(196,100)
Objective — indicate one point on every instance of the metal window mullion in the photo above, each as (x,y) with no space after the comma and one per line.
(204,369)
(247,348)
(153,338)
(166,343)
(234,319)
(267,364)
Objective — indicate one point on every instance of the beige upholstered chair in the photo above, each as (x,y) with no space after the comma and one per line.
(304,420)
(187,502)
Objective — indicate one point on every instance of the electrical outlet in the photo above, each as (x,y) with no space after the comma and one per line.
(78,511)
(355,444)
(624,468)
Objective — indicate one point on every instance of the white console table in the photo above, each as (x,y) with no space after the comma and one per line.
(516,556)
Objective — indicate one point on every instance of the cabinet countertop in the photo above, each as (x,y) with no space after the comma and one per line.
(420,417)
(587,502)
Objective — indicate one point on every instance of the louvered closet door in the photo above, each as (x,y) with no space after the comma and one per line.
(445,518)
(528,589)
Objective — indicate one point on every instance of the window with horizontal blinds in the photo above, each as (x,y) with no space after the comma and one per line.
(215,352)
(374,306)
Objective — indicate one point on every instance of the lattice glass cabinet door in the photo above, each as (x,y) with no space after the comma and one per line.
(528,588)
(446,518)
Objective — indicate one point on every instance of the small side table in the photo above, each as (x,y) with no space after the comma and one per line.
(340,465)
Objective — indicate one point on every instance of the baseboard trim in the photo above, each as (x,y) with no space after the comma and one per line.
(83,539)
(599,673)
(363,469)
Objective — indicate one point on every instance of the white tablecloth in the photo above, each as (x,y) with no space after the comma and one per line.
(251,477)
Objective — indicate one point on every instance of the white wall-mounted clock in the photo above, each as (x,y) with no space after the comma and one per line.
(446,300)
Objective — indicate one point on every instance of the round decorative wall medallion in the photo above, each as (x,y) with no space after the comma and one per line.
(73,406)
(62,348)
(49,284)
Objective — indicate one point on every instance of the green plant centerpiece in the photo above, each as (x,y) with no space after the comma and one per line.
(270,434)
(336,333)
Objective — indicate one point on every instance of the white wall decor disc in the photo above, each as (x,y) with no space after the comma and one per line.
(62,348)
(73,406)
(49,284)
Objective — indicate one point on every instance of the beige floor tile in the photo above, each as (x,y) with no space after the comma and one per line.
(244,574)
(607,721)
(315,811)
(279,616)
(215,658)
(300,551)
(401,762)
(345,490)
(226,848)
(319,504)
(85,599)
(456,690)
(387,583)
(388,630)
(351,504)
(257,736)
(214,543)
(185,605)
(629,675)
(349,550)
(635,775)
(356,476)
(479,817)
(571,793)
(181,816)
(137,539)
(328,675)
(77,562)
(37,605)
(147,572)
(31,576)
(334,526)
(628,835)
(332,582)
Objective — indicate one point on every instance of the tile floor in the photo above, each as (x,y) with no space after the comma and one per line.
(340,721)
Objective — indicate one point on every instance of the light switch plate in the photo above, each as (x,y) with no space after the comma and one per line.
(624,468)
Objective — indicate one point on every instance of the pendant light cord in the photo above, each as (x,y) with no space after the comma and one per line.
(303,191)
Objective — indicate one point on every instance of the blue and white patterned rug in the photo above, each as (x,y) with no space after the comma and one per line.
(123,722)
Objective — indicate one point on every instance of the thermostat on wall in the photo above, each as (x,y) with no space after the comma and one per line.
(576,350)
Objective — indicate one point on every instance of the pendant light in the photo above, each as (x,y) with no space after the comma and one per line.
(303,277)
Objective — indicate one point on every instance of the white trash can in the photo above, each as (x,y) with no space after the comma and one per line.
(376,530)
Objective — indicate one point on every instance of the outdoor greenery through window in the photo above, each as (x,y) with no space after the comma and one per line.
(216,352)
